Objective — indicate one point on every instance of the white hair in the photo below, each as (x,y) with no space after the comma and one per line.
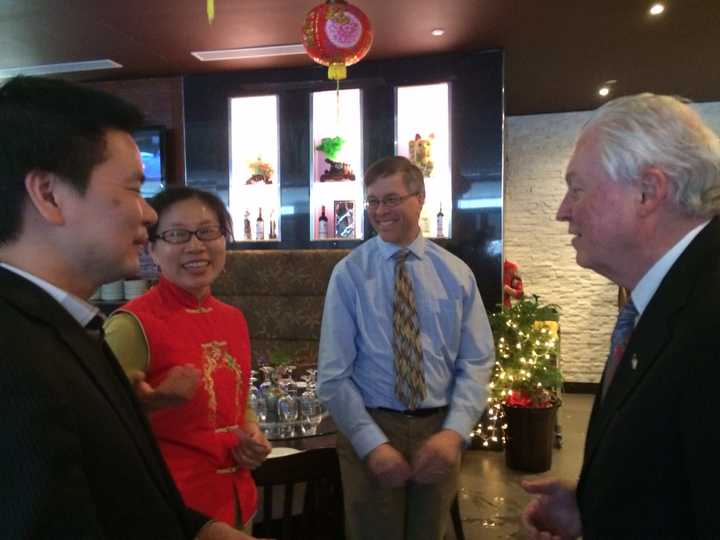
(648,130)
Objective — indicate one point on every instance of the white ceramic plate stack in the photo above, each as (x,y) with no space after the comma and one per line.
(112,292)
(135,287)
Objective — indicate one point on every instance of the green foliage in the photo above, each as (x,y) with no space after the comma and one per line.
(279,358)
(330,146)
(526,353)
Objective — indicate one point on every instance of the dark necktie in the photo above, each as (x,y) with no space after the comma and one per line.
(618,342)
(409,376)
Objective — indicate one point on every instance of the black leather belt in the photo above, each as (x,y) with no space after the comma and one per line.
(413,412)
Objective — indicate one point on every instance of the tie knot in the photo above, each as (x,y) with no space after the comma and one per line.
(401,255)
(628,313)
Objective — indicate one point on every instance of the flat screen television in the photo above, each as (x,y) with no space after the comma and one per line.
(151,142)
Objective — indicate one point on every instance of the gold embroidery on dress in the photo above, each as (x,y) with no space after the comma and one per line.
(215,355)
(198,310)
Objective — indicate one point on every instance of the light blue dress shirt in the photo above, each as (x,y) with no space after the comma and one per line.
(356,362)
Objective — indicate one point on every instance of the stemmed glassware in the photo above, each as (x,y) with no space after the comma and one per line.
(281,412)
(310,404)
(257,400)
(288,411)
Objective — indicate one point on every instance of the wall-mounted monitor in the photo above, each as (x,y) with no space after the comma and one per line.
(151,142)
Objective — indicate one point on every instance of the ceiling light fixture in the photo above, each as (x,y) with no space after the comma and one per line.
(657,9)
(65,67)
(606,88)
(437,32)
(249,52)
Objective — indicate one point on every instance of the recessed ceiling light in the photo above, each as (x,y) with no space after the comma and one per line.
(249,52)
(65,67)
(606,88)
(437,32)
(657,9)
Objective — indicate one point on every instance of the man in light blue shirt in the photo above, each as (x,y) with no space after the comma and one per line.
(400,465)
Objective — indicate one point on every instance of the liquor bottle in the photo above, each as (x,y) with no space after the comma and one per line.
(322,225)
(259,226)
(440,216)
(273,227)
(246,225)
(425,223)
(273,230)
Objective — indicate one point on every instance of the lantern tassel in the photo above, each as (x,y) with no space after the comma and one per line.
(211,11)
(337,71)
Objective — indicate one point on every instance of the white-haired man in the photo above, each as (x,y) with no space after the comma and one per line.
(643,192)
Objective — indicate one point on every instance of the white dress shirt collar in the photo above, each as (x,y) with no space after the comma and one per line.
(649,283)
(81,311)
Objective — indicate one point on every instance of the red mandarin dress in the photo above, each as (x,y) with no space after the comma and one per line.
(195,438)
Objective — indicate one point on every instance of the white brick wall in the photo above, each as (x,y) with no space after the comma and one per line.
(537,149)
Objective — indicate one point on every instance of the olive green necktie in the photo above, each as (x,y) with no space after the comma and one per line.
(409,376)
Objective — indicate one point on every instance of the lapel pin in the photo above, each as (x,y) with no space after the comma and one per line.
(634,362)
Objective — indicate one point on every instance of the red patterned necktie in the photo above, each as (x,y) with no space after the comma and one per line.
(409,376)
(618,342)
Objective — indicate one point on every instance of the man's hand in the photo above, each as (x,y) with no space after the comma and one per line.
(253,447)
(388,466)
(217,530)
(432,462)
(554,515)
(177,388)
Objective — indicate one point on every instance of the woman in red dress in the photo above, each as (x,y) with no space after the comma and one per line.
(188,355)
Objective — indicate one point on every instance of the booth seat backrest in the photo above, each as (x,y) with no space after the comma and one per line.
(281,293)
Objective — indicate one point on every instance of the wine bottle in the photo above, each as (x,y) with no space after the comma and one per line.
(322,225)
(259,226)
(440,217)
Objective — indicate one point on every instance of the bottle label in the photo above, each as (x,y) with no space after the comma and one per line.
(440,233)
(260,231)
(322,230)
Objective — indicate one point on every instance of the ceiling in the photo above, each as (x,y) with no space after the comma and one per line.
(558,52)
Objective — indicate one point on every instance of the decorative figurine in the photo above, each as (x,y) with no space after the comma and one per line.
(246,226)
(261,172)
(330,146)
(512,283)
(420,151)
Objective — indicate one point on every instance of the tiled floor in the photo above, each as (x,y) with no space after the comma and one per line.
(491,499)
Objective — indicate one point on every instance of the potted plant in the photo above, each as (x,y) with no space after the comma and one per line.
(525,383)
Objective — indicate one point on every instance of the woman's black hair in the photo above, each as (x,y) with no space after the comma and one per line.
(167,198)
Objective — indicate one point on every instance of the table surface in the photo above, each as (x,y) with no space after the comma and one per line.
(323,438)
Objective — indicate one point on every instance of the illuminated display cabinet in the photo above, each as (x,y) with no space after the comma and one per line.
(444,112)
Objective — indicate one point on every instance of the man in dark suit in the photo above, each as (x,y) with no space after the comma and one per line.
(78,459)
(642,203)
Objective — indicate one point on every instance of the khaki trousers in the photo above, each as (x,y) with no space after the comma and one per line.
(413,512)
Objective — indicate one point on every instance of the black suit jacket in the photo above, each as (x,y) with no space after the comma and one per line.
(77,458)
(653,443)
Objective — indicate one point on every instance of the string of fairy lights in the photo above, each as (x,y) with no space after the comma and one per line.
(525,373)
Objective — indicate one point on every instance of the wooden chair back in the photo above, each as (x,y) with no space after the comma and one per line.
(322,514)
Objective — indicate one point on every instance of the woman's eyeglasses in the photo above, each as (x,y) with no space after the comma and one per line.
(181,236)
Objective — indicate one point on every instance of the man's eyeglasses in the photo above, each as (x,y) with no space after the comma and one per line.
(391,201)
(181,236)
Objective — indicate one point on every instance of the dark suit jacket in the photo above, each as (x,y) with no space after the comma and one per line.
(653,443)
(77,459)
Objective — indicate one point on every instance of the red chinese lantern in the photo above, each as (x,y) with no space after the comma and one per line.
(336,34)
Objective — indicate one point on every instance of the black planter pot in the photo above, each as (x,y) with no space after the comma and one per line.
(530,436)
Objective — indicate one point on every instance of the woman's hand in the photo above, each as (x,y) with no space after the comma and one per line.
(177,388)
(252,448)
